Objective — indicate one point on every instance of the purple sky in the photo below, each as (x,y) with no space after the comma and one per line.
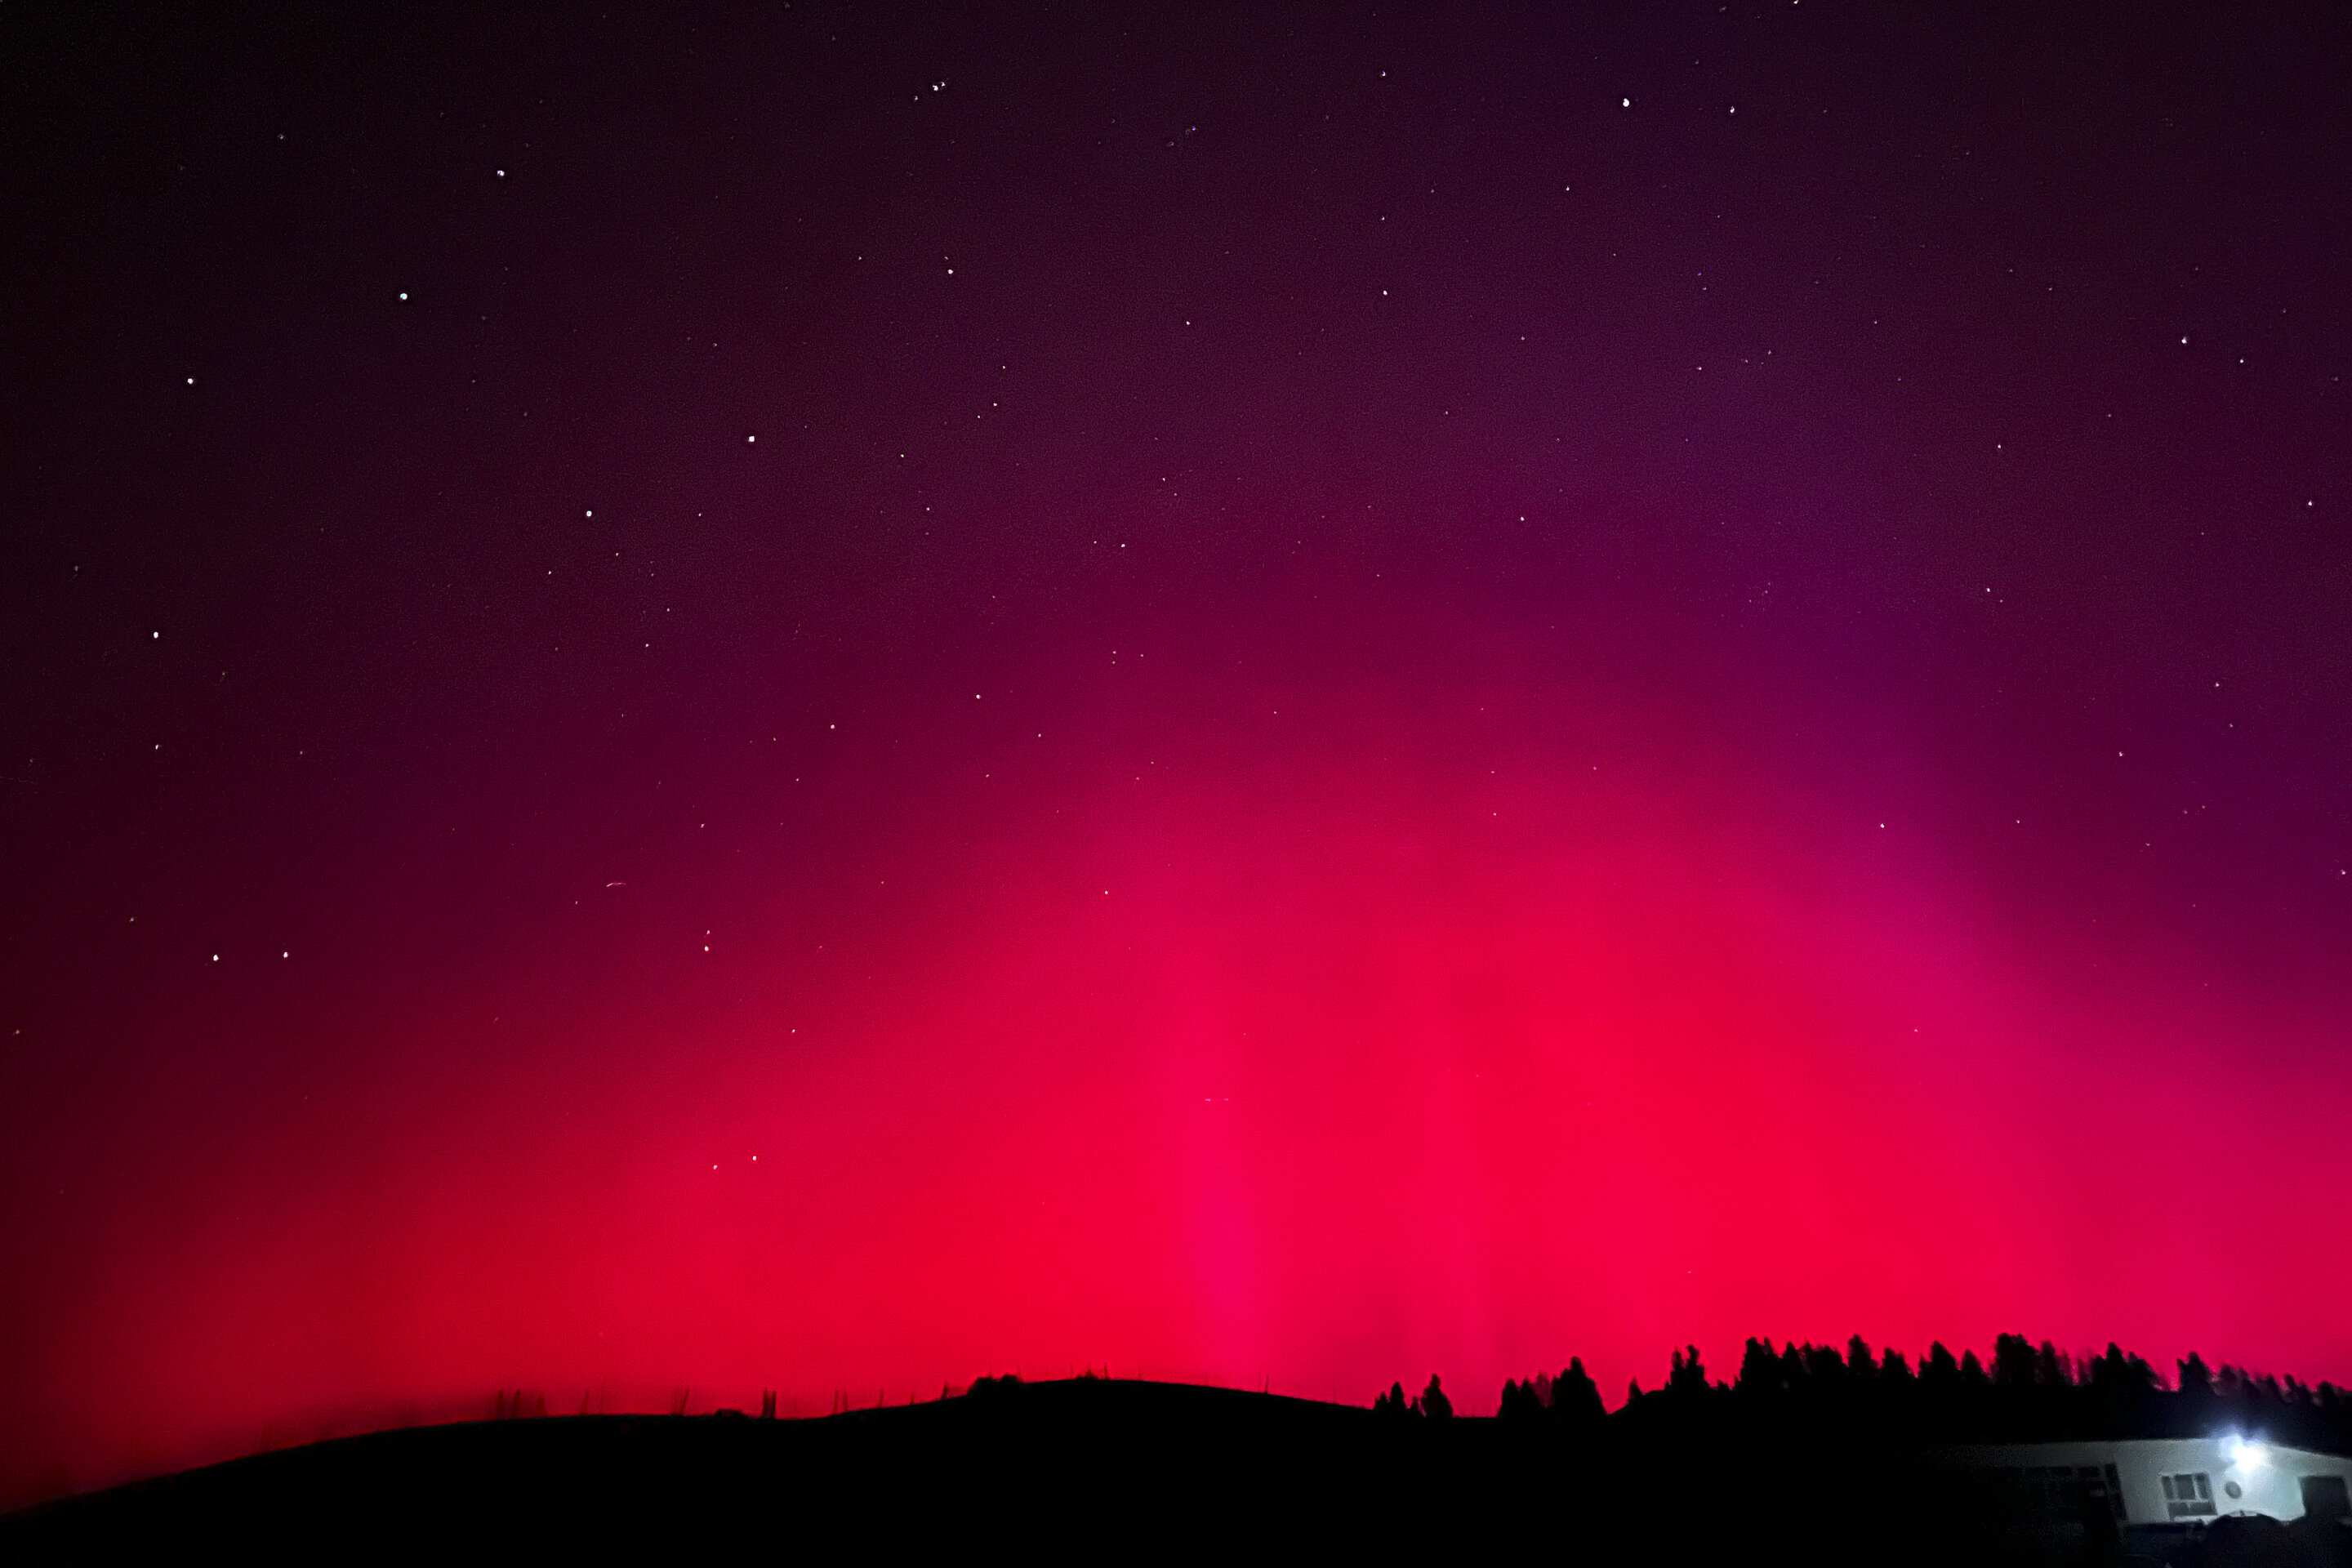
(1302,696)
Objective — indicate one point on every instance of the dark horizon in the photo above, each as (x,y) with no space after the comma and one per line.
(1837,1457)
(2019,1391)
(812,697)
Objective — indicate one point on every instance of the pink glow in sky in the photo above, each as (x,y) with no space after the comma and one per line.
(686,715)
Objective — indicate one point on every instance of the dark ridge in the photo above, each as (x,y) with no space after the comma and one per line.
(1096,1467)
(1810,1456)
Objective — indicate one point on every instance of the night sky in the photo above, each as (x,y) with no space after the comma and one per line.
(828,699)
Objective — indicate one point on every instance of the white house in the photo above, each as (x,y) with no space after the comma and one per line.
(2166,1481)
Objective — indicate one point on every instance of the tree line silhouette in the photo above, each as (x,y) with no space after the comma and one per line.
(1430,1403)
(2028,1392)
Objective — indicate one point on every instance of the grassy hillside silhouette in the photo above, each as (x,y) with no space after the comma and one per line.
(1806,1457)
(1091,1466)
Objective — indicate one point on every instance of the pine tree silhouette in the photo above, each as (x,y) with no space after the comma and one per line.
(1861,1367)
(1824,1371)
(1759,1372)
(1521,1402)
(2033,1392)
(2013,1364)
(1685,1378)
(1576,1398)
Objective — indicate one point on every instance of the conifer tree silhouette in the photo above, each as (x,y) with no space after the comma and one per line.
(1521,1402)
(2123,1389)
(1824,1371)
(1575,1397)
(2033,1393)
(1432,1402)
(2014,1363)
(1685,1378)
(1940,1374)
(1759,1372)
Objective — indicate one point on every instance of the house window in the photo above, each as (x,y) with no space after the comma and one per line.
(2186,1496)
(2326,1497)
(2047,1488)
(2064,1490)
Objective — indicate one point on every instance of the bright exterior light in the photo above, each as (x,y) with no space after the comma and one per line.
(2248,1455)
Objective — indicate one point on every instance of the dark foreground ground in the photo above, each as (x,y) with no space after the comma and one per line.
(1057,1470)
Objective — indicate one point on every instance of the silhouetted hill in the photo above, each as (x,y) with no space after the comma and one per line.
(1088,1467)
